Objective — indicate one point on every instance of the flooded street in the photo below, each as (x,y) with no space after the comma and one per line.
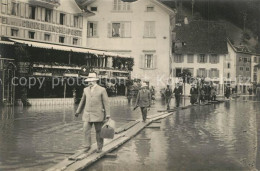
(211,137)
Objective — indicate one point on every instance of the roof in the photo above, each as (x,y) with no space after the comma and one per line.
(68,48)
(201,37)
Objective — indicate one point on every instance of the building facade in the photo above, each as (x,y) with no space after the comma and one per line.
(201,48)
(141,29)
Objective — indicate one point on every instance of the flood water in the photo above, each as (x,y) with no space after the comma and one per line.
(211,137)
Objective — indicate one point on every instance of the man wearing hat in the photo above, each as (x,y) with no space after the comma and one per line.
(143,100)
(95,106)
(193,94)
(177,92)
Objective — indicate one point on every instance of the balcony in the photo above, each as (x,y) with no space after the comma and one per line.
(46,3)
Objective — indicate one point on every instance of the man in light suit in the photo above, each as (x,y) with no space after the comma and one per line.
(95,106)
(143,100)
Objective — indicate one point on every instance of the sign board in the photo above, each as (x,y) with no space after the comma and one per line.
(24,67)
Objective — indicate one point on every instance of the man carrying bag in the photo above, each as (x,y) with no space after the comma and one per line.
(95,106)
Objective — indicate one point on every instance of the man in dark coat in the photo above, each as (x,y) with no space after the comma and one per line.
(168,96)
(143,100)
(177,92)
(194,94)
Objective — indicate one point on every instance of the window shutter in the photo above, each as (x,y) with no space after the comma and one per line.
(146,29)
(26,34)
(22,9)
(206,58)
(72,20)
(38,35)
(8,30)
(152,29)
(26,10)
(217,59)
(68,19)
(122,29)
(182,58)
(43,14)
(141,62)
(58,17)
(109,30)
(95,29)
(198,58)
(217,73)
(174,72)
(210,59)
(127,28)
(54,16)
(38,13)
(154,61)
(210,74)
(9,7)
(80,22)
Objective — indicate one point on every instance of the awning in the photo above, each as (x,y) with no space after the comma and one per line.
(6,42)
(67,48)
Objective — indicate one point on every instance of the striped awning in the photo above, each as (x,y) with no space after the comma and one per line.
(68,48)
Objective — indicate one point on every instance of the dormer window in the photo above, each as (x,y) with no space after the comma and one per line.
(93,8)
(150,8)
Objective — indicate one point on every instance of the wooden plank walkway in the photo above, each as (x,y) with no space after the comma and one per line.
(81,160)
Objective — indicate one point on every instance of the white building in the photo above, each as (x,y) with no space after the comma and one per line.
(201,47)
(141,29)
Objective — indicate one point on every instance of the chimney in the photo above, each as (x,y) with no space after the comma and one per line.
(186,21)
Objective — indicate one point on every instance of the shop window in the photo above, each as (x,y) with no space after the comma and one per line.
(93,8)
(149,29)
(75,41)
(92,29)
(31,35)
(62,19)
(14,32)
(32,11)
(76,21)
(62,39)
(190,58)
(150,8)
(48,15)
(15,8)
(47,37)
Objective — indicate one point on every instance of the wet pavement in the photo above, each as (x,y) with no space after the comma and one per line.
(211,137)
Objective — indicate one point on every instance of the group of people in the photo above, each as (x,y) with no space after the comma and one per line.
(168,94)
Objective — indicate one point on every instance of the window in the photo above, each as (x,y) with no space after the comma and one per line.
(213,73)
(202,58)
(255,60)
(190,58)
(228,65)
(150,8)
(149,61)
(202,72)
(47,37)
(61,39)
(31,34)
(62,19)
(15,8)
(241,68)
(75,41)
(214,59)
(178,58)
(76,21)
(247,69)
(92,29)
(93,8)
(48,15)
(240,59)
(228,75)
(191,71)
(245,59)
(149,29)
(120,29)
(32,10)
(14,32)
(121,6)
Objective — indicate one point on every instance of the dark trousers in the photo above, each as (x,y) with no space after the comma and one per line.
(144,113)
(177,99)
(87,132)
(168,101)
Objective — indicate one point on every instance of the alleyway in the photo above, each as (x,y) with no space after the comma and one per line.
(221,137)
